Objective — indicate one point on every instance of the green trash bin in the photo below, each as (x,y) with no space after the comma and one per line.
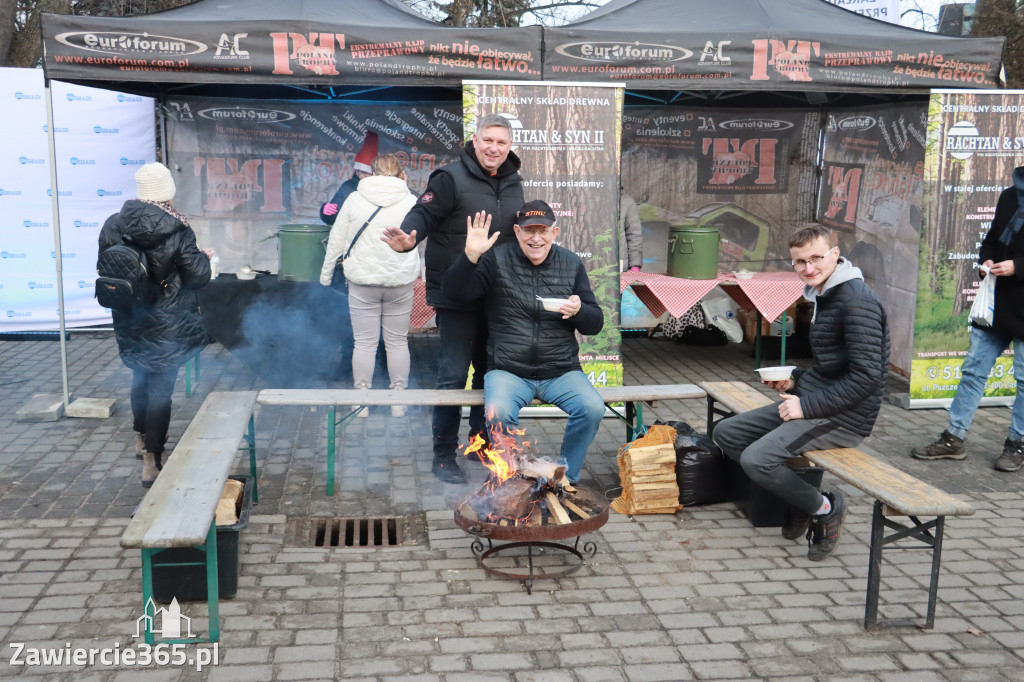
(693,251)
(301,251)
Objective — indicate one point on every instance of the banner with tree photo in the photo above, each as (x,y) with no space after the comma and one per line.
(568,139)
(974,143)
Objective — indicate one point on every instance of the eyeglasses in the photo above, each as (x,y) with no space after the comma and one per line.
(536,230)
(801,264)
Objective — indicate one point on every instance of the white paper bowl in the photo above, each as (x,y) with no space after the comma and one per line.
(776,373)
(743,275)
(246,275)
(553,305)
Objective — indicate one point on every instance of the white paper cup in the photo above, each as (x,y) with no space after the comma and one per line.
(776,373)
(553,305)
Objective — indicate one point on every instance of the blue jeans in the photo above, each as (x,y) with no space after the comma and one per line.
(505,394)
(986,347)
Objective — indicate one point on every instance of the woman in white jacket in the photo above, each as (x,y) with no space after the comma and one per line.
(380,289)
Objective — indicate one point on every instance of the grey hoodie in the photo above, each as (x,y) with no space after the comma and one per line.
(844,272)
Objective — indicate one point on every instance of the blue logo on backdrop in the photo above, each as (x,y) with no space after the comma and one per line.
(108,192)
(82,223)
(82,284)
(26,95)
(40,285)
(24,160)
(49,193)
(132,162)
(128,98)
(68,312)
(10,192)
(16,313)
(56,130)
(100,130)
(53,255)
(32,223)
(11,254)
(72,97)
(75,161)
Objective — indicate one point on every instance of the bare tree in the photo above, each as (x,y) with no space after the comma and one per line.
(503,13)
(1004,18)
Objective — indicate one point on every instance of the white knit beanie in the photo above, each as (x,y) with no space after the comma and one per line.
(154,182)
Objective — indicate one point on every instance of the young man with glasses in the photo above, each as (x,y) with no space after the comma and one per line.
(532,352)
(832,404)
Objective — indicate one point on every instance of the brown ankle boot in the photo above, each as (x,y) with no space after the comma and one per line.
(150,468)
(140,444)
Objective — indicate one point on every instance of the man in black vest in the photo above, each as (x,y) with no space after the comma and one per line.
(538,296)
(485,178)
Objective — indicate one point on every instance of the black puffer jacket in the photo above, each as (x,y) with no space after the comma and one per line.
(850,341)
(1009,311)
(165,334)
(522,337)
(455,192)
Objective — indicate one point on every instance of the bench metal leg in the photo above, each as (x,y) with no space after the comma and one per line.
(712,411)
(332,429)
(250,440)
(919,531)
(209,549)
(191,364)
(633,419)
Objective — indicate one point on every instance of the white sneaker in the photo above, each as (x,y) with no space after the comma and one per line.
(398,410)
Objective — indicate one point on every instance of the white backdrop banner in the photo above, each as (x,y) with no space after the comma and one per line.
(101,139)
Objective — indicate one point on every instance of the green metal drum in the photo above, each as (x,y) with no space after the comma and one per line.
(301,252)
(693,251)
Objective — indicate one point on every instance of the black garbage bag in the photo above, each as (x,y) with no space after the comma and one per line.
(700,467)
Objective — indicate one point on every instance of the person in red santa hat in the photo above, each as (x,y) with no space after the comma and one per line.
(367,153)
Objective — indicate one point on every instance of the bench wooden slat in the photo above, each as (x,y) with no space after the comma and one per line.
(421,396)
(898,490)
(178,509)
(738,396)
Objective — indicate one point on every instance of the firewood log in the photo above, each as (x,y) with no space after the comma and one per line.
(512,499)
(558,513)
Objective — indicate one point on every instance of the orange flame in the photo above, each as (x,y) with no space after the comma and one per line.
(502,456)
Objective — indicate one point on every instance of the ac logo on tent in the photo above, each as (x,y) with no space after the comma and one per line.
(713,54)
(232,46)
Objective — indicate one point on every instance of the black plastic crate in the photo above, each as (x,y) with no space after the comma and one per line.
(762,508)
(188,583)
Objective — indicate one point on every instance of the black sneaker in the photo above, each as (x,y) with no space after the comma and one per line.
(823,532)
(796,524)
(1012,457)
(947,446)
(448,471)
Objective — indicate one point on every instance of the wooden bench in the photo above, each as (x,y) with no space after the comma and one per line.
(896,494)
(734,396)
(178,511)
(632,397)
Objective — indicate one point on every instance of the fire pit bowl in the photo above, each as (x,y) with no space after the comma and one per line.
(468,521)
(537,540)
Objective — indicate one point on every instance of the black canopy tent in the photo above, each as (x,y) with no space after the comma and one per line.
(673,50)
(327,47)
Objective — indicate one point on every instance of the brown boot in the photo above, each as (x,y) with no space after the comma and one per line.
(140,444)
(150,468)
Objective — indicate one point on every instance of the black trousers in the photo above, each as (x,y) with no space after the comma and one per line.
(463,343)
(151,405)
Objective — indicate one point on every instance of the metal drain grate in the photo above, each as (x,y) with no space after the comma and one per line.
(356,532)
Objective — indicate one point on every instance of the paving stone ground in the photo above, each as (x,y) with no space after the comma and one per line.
(698,595)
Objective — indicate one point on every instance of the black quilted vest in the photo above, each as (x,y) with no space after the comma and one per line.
(523,338)
(501,196)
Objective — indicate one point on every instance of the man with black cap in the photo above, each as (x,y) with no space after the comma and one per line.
(484,178)
(537,296)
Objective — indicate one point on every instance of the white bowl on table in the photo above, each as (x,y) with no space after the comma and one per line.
(246,273)
(553,305)
(776,373)
(743,274)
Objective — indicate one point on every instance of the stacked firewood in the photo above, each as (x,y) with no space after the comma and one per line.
(647,470)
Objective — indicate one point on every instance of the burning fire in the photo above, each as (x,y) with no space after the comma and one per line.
(502,457)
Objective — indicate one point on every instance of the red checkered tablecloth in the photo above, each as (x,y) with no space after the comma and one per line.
(422,314)
(770,293)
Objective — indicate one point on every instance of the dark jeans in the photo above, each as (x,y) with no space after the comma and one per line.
(762,443)
(463,342)
(151,406)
